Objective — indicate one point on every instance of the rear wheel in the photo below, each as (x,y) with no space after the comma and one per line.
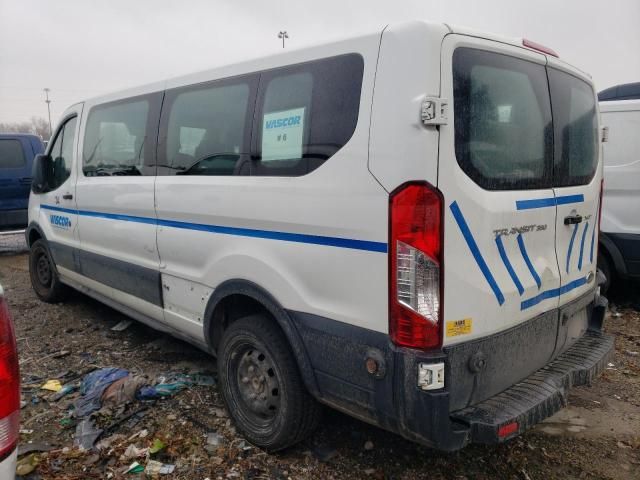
(604,265)
(261,385)
(44,277)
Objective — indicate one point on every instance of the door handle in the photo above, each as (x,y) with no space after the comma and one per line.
(67,196)
(572,219)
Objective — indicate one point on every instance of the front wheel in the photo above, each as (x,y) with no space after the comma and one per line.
(261,385)
(44,277)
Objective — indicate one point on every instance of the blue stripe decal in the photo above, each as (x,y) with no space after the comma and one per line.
(548,202)
(527,260)
(507,264)
(553,293)
(475,251)
(573,237)
(584,234)
(366,245)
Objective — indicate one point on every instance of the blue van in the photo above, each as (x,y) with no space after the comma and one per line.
(17,151)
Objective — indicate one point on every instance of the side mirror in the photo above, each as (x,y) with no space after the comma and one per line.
(42,173)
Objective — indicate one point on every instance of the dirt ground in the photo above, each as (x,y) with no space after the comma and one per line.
(596,436)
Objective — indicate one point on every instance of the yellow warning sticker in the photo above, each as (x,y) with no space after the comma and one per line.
(459,327)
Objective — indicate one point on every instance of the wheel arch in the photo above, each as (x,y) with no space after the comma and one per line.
(610,249)
(33,233)
(239,298)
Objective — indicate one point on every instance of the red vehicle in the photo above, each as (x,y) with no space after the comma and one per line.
(9,393)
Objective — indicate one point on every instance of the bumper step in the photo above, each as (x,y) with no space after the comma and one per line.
(540,395)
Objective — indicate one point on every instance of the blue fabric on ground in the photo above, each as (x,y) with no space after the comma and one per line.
(92,387)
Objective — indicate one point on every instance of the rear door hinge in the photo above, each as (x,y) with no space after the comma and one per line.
(435,111)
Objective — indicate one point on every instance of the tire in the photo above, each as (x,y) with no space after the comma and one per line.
(44,276)
(604,265)
(254,359)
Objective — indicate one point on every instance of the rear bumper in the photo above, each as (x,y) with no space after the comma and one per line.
(524,376)
(13,218)
(540,395)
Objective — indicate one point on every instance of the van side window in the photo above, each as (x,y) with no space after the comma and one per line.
(503,129)
(305,114)
(61,153)
(115,138)
(11,154)
(206,131)
(575,129)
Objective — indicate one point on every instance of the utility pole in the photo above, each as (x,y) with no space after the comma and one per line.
(283,35)
(48,102)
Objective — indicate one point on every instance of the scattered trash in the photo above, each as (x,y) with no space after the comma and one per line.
(23,449)
(156,446)
(214,441)
(368,445)
(123,390)
(135,467)
(27,464)
(65,390)
(122,326)
(92,388)
(141,434)
(86,434)
(632,353)
(610,364)
(616,314)
(133,451)
(158,468)
(24,431)
(52,385)
(61,354)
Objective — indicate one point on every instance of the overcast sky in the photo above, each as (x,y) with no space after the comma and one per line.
(81,48)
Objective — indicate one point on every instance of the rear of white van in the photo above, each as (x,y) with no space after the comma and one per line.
(494,305)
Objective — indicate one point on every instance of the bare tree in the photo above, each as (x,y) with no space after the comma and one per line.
(36,126)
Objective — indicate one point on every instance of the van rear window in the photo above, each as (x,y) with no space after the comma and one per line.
(575,129)
(11,154)
(503,128)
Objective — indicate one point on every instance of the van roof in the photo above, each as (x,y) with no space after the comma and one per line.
(294,55)
(624,91)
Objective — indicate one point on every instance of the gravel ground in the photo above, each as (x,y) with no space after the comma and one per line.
(597,436)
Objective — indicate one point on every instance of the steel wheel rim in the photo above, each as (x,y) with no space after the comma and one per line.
(257,384)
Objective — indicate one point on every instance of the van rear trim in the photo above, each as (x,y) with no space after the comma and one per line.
(548,202)
(365,245)
(553,293)
(475,251)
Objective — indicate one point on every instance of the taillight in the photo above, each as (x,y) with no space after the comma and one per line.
(9,383)
(415,266)
(541,48)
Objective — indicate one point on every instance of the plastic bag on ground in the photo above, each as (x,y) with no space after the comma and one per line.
(122,391)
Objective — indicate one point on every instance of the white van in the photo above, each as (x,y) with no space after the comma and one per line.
(619,254)
(394,225)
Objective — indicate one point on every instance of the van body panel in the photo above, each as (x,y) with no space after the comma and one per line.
(397,131)
(269,244)
(496,256)
(621,155)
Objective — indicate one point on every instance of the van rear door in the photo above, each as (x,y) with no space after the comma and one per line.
(495,170)
(577,181)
